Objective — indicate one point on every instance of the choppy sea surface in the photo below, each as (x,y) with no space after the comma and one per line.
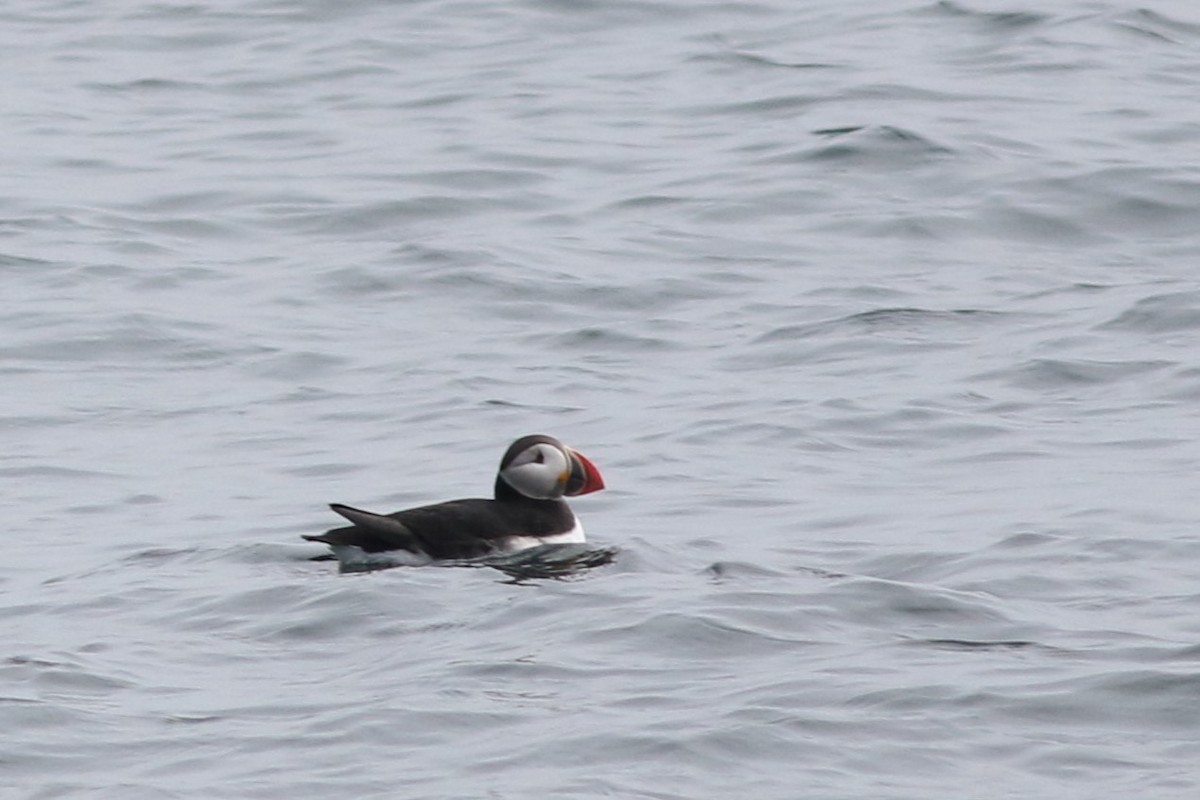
(880,318)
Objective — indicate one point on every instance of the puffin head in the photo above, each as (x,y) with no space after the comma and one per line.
(543,468)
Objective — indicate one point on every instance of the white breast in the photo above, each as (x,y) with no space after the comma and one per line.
(573,536)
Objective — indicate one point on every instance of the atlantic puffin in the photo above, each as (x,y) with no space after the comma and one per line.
(527,511)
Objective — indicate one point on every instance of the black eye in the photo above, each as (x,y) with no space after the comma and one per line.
(539,457)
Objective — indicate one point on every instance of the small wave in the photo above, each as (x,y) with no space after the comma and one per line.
(1052,373)
(878,146)
(1157,27)
(974,645)
(883,319)
(601,339)
(1160,313)
(999,21)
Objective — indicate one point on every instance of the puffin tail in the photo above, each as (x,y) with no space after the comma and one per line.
(370,532)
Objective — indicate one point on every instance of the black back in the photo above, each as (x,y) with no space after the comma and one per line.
(455,529)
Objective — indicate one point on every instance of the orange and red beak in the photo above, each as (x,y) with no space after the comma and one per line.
(584,477)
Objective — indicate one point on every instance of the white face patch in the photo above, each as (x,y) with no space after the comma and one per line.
(538,472)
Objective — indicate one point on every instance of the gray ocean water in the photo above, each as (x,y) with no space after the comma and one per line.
(880,318)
